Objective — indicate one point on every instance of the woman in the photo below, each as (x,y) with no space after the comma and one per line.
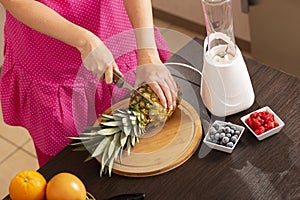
(46,44)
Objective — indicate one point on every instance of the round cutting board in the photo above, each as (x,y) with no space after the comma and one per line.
(163,149)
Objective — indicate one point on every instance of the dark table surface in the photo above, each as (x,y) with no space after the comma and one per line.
(268,169)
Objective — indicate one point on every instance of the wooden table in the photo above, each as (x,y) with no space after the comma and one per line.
(268,169)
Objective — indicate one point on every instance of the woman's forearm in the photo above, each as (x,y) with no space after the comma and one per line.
(45,20)
(139,13)
(141,18)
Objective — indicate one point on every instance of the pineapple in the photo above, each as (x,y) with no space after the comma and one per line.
(122,129)
(153,111)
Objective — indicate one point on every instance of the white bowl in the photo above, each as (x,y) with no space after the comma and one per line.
(221,147)
(269,132)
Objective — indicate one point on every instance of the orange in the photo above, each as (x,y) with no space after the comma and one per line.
(65,186)
(27,185)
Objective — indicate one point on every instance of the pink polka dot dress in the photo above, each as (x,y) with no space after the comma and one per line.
(44,86)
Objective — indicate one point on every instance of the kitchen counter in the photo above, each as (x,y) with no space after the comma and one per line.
(268,169)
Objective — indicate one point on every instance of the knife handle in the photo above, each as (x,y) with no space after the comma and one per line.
(137,196)
(118,80)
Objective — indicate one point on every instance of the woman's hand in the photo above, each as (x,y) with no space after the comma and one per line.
(98,59)
(150,68)
(152,71)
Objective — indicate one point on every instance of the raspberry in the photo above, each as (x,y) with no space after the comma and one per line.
(261,122)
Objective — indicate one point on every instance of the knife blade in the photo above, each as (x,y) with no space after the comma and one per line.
(122,83)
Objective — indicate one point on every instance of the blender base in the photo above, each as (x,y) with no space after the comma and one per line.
(226,89)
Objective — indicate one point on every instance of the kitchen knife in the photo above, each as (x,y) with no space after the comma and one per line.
(122,83)
(137,196)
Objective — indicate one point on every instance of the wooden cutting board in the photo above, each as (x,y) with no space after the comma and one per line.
(163,149)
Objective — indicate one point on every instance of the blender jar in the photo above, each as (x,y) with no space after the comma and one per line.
(219,26)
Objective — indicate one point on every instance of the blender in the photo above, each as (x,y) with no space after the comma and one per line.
(226,87)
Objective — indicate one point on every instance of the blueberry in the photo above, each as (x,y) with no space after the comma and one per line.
(237,132)
(221,130)
(231,131)
(222,135)
(229,144)
(225,140)
(215,141)
(216,126)
(217,136)
(212,130)
(228,135)
(233,139)
(227,129)
(236,136)
(209,138)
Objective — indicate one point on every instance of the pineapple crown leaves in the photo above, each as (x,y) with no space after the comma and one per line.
(116,132)
(122,129)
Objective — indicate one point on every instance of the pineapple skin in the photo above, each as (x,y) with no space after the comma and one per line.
(155,113)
